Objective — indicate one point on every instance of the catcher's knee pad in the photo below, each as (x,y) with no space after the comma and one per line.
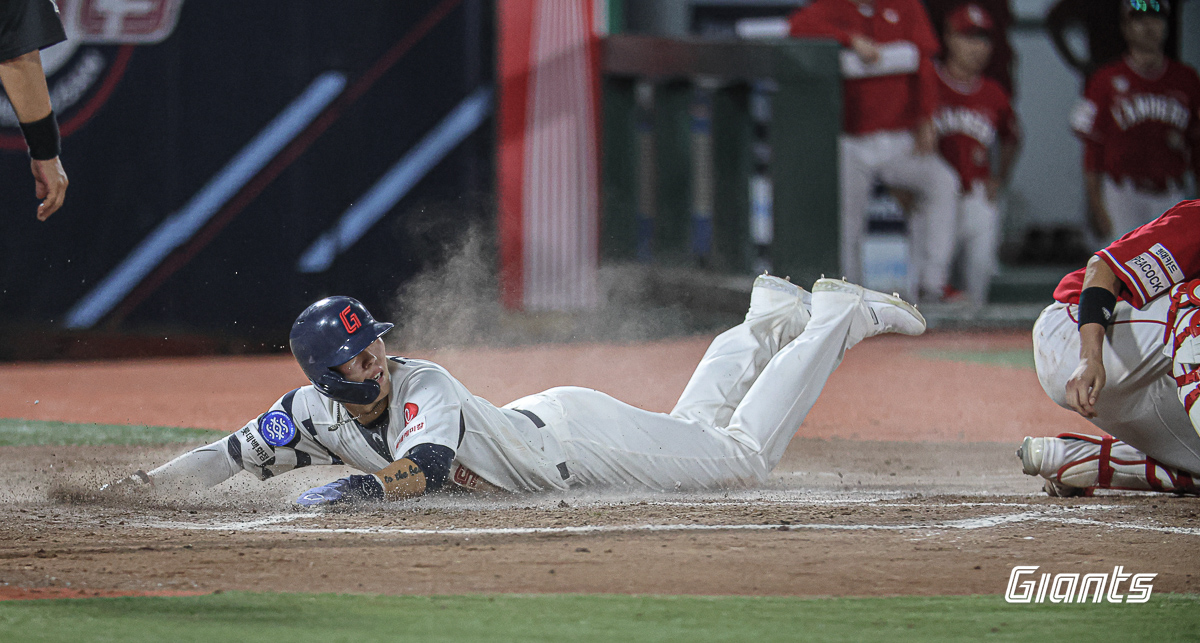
(1183,343)
(1090,462)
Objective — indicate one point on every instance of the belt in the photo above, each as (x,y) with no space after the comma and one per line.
(537,421)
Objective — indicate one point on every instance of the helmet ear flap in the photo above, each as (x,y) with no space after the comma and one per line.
(342,390)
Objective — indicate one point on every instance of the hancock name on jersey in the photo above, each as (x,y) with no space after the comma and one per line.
(1129,111)
(77,66)
(963,120)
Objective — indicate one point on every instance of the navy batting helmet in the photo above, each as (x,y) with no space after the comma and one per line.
(330,333)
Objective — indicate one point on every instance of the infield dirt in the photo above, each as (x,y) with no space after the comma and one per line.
(901,481)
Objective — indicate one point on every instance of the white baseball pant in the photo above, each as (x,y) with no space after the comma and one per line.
(978,241)
(1139,403)
(1130,208)
(889,156)
(745,401)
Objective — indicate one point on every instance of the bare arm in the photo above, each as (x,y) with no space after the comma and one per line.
(25,83)
(1101,222)
(1008,157)
(1083,389)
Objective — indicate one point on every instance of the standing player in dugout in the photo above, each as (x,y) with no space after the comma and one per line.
(973,117)
(1121,347)
(1140,126)
(413,428)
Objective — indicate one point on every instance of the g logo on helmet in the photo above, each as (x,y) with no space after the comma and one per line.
(350,320)
(277,428)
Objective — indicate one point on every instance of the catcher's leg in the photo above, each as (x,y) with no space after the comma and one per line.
(1183,346)
(1074,465)
(779,311)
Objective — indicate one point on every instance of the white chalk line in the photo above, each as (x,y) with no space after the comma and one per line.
(276,524)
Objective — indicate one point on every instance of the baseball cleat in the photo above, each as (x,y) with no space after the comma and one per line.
(1030,452)
(883,313)
(771,293)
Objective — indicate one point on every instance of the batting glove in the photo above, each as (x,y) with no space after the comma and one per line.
(349,489)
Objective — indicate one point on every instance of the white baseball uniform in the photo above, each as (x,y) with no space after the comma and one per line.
(731,426)
(1140,401)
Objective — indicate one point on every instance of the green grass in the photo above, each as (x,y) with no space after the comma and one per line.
(39,433)
(1012,359)
(329,618)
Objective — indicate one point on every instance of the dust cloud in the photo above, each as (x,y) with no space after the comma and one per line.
(455,301)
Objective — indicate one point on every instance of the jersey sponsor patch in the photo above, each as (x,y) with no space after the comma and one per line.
(414,426)
(1168,261)
(410,412)
(277,428)
(255,452)
(1150,274)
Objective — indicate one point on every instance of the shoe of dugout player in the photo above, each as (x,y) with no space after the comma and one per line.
(882,313)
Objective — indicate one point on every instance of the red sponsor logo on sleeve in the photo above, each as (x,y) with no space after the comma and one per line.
(410,412)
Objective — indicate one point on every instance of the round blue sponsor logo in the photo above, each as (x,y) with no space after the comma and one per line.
(277,428)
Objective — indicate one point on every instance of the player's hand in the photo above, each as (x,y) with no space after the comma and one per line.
(1101,222)
(866,49)
(51,181)
(993,188)
(1083,389)
(138,481)
(925,139)
(335,492)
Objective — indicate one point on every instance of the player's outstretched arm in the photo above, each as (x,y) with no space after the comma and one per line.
(424,468)
(199,468)
(1100,290)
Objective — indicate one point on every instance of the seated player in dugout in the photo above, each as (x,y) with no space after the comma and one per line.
(413,428)
(1121,346)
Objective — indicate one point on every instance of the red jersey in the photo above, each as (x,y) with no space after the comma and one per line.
(1150,259)
(1143,129)
(896,102)
(969,120)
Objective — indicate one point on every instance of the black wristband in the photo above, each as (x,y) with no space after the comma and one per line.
(1096,306)
(42,138)
(366,487)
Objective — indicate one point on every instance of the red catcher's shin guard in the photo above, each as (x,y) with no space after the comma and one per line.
(1090,462)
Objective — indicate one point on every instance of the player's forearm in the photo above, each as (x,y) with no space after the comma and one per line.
(1094,185)
(1091,336)
(1008,157)
(402,479)
(199,468)
(25,83)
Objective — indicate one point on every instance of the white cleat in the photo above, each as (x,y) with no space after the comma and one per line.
(883,313)
(1030,452)
(1034,453)
(771,293)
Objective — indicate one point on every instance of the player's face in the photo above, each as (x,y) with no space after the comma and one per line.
(971,52)
(1145,32)
(371,364)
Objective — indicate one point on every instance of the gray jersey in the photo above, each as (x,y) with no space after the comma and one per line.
(503,447)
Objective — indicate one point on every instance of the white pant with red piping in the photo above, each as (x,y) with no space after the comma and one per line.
(1139,404)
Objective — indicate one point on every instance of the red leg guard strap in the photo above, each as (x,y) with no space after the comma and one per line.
(1104,479)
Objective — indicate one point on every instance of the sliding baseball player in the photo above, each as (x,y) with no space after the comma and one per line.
(412,428)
